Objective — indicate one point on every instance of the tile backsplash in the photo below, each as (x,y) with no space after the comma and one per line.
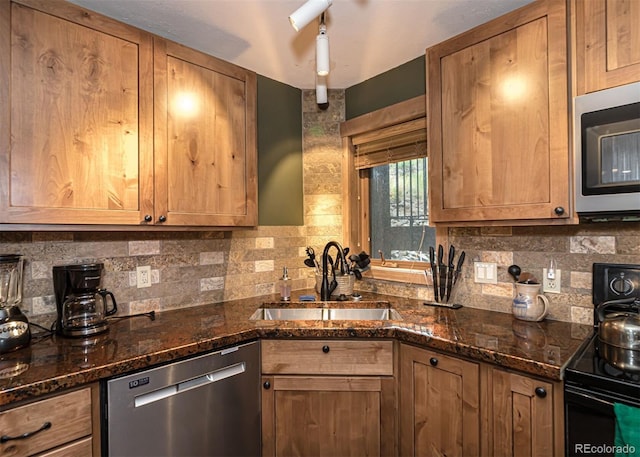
(191,268)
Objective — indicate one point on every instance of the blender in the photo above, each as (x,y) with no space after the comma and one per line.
(14,326)
(82,306)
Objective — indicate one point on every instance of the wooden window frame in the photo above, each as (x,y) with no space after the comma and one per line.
(356,197)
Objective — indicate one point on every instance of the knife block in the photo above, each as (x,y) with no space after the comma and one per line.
(445,286)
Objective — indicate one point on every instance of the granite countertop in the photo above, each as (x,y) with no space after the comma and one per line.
(52,364)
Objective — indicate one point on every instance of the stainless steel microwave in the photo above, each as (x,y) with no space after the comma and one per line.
(607,153)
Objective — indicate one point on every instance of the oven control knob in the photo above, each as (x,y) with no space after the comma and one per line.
(621,285)
(541,392)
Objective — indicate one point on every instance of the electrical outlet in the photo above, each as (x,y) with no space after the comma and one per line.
(551,285)
(485,272)
(143,276)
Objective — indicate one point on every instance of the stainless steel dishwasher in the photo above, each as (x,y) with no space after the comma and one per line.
(208,405)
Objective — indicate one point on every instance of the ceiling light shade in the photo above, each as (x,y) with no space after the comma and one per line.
(322,52)
(308,12)
(321,91)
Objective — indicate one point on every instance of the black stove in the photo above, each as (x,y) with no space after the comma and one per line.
(589,367)
(594,386)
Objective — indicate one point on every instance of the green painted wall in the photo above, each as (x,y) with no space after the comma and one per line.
(393,86)
(280,193)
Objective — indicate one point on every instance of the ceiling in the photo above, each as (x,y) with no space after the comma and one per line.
(367,37)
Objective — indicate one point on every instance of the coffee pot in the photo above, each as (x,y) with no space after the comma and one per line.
(82,306)
(14,326)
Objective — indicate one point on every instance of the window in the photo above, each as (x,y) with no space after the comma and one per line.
(399,227)
(386,206)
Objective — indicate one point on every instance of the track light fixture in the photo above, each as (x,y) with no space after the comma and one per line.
(322,49)
(321,90)
(308,12)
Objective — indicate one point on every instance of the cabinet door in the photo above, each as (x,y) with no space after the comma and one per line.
(205,139)
(607,43)
(439,404)
(75,116)
(328,416)
(522,418)
(498,120)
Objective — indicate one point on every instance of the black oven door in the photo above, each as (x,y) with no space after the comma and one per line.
(590,421)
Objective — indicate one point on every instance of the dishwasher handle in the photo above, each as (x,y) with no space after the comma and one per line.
(209,378)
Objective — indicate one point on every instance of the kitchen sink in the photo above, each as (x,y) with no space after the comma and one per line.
(326,314)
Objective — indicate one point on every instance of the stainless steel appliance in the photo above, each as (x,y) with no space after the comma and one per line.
(596,383)
(14,326)
(607,153)
(203,406)
(82,306)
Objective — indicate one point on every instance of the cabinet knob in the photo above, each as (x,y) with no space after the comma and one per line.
(433,361)
(541,392)
(325,349)
(162,218)
(559,210)
(148,218)
(266,385)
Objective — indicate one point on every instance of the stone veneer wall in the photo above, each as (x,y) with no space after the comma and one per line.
(191,268)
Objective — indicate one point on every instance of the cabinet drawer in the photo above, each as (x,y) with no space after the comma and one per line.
(336,357)
(80,448)
(69,415)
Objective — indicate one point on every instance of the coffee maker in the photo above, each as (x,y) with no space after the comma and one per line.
(14,326)
(81,304)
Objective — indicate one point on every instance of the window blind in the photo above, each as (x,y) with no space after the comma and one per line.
(392,144)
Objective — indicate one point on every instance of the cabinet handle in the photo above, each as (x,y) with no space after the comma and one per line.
(266,385)
(162,218)
(433,361)
(559,210)
(541,392)
(148,218)
(325,349)
(5,438)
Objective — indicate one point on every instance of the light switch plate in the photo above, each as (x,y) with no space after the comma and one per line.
(485,272)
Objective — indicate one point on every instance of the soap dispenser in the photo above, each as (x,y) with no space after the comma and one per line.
(285,286)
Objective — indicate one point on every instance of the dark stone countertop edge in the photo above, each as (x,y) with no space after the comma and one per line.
(411,331)
(94,374)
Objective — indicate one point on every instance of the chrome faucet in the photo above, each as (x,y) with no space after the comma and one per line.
(326,288)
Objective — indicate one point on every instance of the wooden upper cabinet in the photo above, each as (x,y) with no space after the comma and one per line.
(205,139)
(99,125)
(75,115)
(497,112)
(607,40)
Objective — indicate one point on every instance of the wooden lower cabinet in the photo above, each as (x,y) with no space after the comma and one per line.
(310,407)
(62,425)
(524,414)
(328,416)
(454,407)
(439,404)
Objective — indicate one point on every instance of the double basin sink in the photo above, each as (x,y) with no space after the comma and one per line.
(327,311)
